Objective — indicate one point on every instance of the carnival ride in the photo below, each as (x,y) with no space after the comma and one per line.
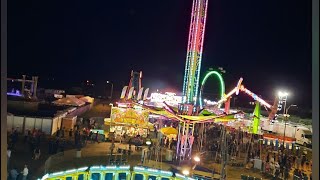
(122,172)
(221,81)
(188,114)
(194,51)
(134,91)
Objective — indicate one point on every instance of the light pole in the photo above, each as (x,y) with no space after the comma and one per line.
(111,107)
(108,82)
(283,96)
(286,115)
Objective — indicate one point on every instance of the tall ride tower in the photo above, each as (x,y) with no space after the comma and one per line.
(194,51)
(191,77)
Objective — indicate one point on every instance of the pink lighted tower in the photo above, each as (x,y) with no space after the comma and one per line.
(191,77)
(194,51)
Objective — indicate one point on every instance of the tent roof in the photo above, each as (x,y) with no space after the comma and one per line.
(70,101)
(87,99)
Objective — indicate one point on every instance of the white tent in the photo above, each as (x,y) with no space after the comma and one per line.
(69,101)
(87,99)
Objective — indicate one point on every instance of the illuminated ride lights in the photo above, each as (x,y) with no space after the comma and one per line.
(14,94)
(171,99)
(222,85)
(194,51)
(241,87)
(87,171)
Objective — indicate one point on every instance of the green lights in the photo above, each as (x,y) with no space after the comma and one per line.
(222,86)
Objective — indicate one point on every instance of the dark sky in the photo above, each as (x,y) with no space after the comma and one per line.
(268,43)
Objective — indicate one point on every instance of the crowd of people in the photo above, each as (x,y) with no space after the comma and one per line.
(281,162)
(30,137)
(169,143)
(278,162)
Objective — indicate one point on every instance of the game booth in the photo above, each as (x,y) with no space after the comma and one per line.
(130,122)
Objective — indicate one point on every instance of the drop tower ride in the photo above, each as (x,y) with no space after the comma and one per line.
(191,77)
(194,51)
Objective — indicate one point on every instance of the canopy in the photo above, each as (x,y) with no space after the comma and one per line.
(168,130)
(167,113)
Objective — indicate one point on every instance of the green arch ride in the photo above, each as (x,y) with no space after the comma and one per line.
(222,86)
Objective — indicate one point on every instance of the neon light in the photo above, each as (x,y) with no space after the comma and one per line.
(222,85)
(124,167)
(138,168)
(111,167)
(71,170)
(57,173)
(45,177)
(172,99)
(256,118)
(95,167)
(82,169)
(14,94)
(101,169)
(194,51)
(239,85)
(166,172)
(255,97)
(180,175)
(153,170)
(228,95)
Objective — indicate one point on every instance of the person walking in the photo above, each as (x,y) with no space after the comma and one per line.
(90,136)
(62,132)
(37,153)
(58,133)
(70,133)
(8,157)
(26,134)
(286,174)
(14,174)
(120,138)
(25,172)
(97,137)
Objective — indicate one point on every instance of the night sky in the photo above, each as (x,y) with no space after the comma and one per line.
(268,43)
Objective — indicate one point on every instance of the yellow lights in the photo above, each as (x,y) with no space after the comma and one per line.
(196,159)
(148,142)
(185,172)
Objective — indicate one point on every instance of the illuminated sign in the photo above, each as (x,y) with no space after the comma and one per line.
(170,98)
(129,116)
